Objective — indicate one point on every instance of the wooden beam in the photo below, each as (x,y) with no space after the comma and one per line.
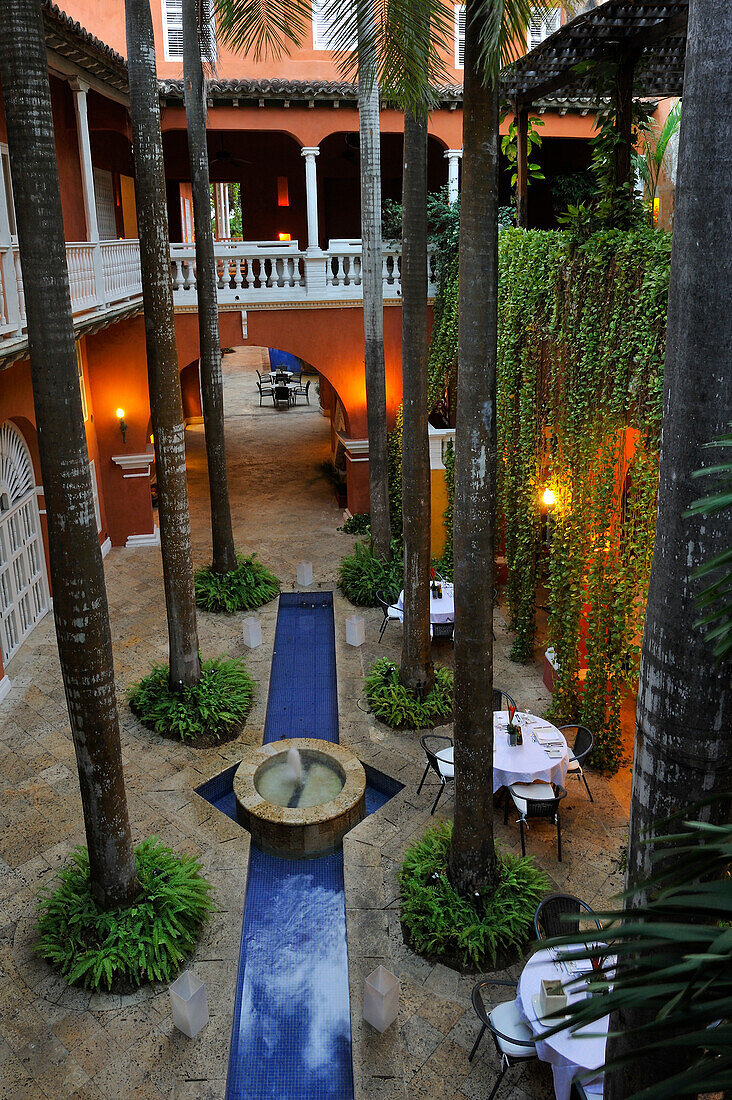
(522,166)
(622,158)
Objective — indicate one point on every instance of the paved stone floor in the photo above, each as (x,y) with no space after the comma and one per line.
(57,1042)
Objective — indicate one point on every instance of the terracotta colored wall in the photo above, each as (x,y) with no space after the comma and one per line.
(67,155)
(118,378)
(438,504)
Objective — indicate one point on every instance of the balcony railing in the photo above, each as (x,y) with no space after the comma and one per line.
(107,274)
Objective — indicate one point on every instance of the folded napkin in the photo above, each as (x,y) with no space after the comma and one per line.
(554,754)
(547,735)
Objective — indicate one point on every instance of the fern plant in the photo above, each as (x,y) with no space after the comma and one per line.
(216,706)
(362,574)
(400,708)
(473,932)
(121,948)
(248,586)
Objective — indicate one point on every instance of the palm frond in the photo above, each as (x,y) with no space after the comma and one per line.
(262,28)
(503,26)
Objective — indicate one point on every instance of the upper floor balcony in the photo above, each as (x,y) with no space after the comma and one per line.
(104,278)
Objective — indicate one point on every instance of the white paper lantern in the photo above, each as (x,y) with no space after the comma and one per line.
(252,631)
(304,572)
(381,998)
(355,630)
(188,1001)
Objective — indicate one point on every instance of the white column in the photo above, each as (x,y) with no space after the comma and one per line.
(453,157)
(221,206)
(80,89)
(8,274)
(311,194)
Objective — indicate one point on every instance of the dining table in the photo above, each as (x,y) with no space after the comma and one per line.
(544,754)
(574,1051)
(442,607)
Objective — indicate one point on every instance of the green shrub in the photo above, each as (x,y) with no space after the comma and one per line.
(248,586)
(363,573)
(360,524)
(437,921)
(123,947)
(216,706)
(399,707)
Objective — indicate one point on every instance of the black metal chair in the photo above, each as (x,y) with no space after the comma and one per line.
(391,613)
(580,1092)
(560,915)
(432,743)
(513,1038)
(583,742)
(536,800)
(281,394)
(265,390)
(501,699)
(301,391)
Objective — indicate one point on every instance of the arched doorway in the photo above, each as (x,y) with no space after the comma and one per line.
(23,585)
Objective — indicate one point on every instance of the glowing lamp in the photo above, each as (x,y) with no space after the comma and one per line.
(549,498)
(285,236)
(120,414)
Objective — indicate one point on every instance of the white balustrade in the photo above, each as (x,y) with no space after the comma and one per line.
(248,273)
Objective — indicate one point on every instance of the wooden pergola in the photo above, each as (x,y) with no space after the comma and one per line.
(643,39)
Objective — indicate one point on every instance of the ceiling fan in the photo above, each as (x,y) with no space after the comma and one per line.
(225,162)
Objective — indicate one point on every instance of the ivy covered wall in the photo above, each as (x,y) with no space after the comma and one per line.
(581,345)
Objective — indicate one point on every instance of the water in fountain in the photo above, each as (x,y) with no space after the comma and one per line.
(300,780)
(294,763)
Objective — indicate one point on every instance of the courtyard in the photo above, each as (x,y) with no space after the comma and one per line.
(61,1041)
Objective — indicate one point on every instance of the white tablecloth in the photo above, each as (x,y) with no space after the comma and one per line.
(286,374)
(569,1053)
(442,610)
(522,763)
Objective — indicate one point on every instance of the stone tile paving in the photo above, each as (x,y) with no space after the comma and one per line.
(59,1042)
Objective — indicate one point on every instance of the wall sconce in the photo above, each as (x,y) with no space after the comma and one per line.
(285,236)
(549,498)
(122,424)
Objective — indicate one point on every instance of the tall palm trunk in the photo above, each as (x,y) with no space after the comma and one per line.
(373,305)
(683,748)
(417,669)
(79,595)
(222,537)
(162,358)
(472,852)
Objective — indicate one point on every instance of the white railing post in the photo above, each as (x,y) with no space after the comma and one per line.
(453,158)
(80,89)
(310,152)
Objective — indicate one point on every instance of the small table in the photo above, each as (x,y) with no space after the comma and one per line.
(286,374)
(570,1053)
(523,763)
(441,610)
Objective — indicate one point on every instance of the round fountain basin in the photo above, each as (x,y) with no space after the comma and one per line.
(300,819)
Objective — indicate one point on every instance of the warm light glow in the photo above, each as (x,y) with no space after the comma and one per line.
(283,191)
(285,237)
(549,498)
(656,210)
(120,414)
(152,439)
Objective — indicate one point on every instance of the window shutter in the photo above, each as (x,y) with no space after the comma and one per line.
(541,25)
(323,28)
(173,29)
(459,36)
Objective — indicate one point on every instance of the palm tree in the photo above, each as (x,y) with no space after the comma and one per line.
(373,290)
(77,575)
(198,37)
(417,669)
(162,360)
(653,155)
(683,749)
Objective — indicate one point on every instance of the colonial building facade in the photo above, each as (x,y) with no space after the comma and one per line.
(286,133)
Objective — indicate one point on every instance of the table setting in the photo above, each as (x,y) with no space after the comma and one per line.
(442,602)
(550,981)
(529,761)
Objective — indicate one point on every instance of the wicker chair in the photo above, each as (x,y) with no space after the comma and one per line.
(442,630)
(583,742)
(281,394)
(265,389)
(536,800)
(513,1038)
(301,391)
(391,613)
(560,915)
(432,743)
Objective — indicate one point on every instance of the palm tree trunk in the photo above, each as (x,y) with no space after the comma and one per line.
(373,306)
(417,669)
(77,574)
(222,537)
(683,749)
(162,359)
(472,852)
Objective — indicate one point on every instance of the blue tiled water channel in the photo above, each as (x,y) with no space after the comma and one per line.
(291,1036)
